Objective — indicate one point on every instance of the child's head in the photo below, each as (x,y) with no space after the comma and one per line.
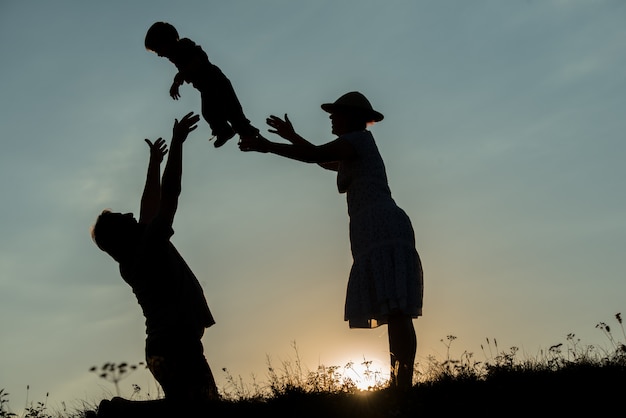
(161,37)
(114,233)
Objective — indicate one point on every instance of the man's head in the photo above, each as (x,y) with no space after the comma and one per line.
(114,233)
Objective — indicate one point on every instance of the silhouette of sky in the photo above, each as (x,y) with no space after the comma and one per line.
(503,139)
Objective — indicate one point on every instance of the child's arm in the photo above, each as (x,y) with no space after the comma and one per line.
(178,81)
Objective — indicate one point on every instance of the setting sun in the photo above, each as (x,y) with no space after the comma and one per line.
(364,374)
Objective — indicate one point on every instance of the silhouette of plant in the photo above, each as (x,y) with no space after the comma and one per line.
(619,353)
(114,373)
(373,378)
(38,410)
(4,405)
(237,389)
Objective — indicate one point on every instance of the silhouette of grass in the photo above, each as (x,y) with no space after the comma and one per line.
(567,379)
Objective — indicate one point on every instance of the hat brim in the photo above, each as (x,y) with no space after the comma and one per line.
(371,115)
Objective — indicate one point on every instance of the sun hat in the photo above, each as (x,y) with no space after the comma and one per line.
(354,101)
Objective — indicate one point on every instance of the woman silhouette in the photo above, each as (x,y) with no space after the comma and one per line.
(386,280)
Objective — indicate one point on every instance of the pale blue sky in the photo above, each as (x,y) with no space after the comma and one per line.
(503,138)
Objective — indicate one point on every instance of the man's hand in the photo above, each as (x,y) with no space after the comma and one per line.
(184,127)
(158,149)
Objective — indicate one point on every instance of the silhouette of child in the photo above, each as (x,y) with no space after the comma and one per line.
(168,292)
(220,105)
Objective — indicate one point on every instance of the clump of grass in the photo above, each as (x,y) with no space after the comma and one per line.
(33,409)
(4,405)
(567,379)
(292,377)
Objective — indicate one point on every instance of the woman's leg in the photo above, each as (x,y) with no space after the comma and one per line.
(402,348)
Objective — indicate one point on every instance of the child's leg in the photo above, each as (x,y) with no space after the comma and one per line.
(215,117)
(231,108)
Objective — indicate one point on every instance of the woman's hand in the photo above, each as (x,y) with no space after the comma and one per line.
(254,143)
(158,149)
(281,127)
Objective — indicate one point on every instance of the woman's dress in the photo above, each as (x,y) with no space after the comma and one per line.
(386,275)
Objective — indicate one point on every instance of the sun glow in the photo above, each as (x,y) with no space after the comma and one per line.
(365,374)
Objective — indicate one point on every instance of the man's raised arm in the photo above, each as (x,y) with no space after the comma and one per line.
(172,174)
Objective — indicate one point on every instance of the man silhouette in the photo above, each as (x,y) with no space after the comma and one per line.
(168,292)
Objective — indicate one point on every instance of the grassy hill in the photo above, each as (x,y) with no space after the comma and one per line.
(568,380)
